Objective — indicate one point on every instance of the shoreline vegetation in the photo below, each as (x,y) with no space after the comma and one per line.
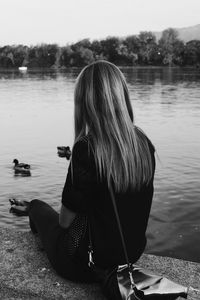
(134,50)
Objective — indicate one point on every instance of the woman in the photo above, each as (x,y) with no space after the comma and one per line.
(109,151)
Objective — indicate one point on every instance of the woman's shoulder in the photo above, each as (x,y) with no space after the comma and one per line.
(82,143)
(140,133)
(82,148)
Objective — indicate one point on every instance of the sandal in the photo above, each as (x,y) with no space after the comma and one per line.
(19,207)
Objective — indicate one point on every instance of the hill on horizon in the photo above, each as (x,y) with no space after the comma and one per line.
(186,34)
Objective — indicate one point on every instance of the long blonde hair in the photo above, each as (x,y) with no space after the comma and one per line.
(103,108)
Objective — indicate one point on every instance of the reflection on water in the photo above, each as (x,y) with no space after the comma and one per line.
(36,115)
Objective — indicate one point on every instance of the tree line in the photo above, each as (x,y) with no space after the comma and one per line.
(141,50)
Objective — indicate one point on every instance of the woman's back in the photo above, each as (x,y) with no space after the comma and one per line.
(88,194)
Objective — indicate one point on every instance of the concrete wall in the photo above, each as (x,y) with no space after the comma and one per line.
(26,273)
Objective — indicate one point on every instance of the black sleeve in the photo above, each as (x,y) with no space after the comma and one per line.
(81,179)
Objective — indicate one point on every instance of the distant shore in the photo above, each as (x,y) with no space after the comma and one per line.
(63,69)
(134,50)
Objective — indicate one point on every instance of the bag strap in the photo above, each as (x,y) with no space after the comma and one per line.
(122,236)
(119,225)
(90,248)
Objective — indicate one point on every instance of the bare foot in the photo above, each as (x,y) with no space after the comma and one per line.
(19,207)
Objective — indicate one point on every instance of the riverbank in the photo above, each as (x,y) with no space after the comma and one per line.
(27,274)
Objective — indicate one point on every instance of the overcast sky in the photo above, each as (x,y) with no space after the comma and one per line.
(65,21)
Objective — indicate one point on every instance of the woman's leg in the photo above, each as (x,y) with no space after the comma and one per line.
(45,220)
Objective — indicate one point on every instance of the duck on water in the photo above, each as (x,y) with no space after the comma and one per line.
(21,167)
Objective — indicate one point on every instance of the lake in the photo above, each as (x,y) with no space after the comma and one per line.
(36,116)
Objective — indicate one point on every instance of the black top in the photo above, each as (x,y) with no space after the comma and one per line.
(85,194)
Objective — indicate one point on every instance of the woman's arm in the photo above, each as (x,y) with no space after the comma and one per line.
(66,217)
(80,182)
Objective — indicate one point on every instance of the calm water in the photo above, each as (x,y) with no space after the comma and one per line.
(36,115)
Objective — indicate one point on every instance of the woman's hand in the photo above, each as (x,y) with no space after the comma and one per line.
(66,217)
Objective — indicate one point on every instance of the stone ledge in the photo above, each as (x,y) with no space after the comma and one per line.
(27,274)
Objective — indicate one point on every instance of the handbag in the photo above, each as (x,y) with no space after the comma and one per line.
(131,282)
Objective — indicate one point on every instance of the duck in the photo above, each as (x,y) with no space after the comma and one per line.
(21,167)
(64,152)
